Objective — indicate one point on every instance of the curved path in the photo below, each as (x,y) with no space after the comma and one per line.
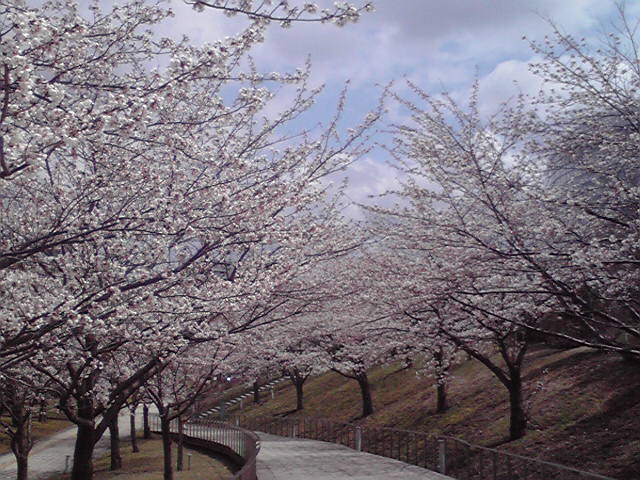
(283,458)
(280,458)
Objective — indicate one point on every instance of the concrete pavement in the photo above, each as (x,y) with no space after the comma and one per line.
(282,458)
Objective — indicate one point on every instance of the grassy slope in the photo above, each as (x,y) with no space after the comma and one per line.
(584,407)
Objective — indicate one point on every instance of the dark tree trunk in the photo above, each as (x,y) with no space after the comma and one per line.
(165,428)
(145,421)
(518,417)
(23,467)
(365,390)
(132,429)
(21,441)
(83,453)
(180,455)
(298,378)
(441,378)
(441,396)
(511,378)
(114,440)
(42,414)
(256,392)
(299,394)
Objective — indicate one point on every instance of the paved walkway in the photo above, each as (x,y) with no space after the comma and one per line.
(282,458)
(48,457)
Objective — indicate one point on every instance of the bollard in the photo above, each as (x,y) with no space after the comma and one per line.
(66,463)
(358,439)
(188,461)
(273,393)
(442,456)
(295,430)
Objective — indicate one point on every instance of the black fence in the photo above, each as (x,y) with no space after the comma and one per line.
(239,444)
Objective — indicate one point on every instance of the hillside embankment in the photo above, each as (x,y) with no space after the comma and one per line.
(583,407)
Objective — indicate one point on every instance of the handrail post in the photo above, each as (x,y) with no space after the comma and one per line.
(442,456)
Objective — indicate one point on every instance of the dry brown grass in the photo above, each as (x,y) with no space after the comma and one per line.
(147,465)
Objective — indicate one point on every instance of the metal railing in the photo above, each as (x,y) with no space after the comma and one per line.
(447,455)
(222,437)
(466,461)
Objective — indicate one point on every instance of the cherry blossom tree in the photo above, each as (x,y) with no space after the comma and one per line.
(351,348)
(282,335)
(22,394)
(287,349)
(529,214)
(133,403)
(587,140)
(298,360)
(415,344)
(465,236)
(176,160)
(92,383)
(426,349)
(286,13)
(345,335)
(160,197)
(187,376)
(543,194)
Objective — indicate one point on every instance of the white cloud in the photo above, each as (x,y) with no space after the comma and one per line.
(437,44)
(369,180)
(507,80)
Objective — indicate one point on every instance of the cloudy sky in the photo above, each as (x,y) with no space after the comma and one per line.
(438,44)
